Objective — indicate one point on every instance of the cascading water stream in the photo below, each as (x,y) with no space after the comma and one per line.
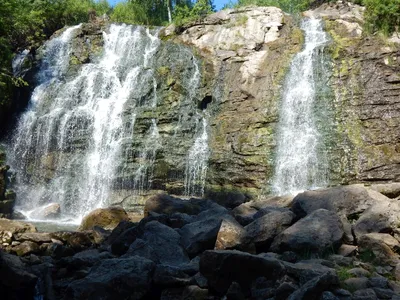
(300,164)
(197,159)
(197,162)
(68,143)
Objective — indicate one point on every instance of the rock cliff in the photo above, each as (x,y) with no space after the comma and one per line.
(240,58)
(249,50)
(365,98)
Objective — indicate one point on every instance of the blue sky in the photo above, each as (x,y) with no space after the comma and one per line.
(218,3)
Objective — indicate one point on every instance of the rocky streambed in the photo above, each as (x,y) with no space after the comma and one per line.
(336,243)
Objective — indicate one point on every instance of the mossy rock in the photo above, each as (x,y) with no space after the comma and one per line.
(107,218)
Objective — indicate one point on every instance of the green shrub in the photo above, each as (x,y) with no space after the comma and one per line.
(382,15)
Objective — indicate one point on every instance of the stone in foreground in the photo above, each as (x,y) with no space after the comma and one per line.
(320,231)
(221,268)
(107,218)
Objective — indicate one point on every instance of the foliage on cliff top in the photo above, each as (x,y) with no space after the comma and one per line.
(184,14)
(380,15)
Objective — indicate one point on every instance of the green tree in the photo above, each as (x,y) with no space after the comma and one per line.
(382,15)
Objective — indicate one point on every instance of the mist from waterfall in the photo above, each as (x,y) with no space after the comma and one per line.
(300,161)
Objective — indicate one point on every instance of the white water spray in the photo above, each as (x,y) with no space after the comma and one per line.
(299,164)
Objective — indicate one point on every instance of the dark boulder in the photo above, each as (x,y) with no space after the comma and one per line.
(222,267)
(263,230)
(160,244)
(116,278)
(16,281)
(320,231)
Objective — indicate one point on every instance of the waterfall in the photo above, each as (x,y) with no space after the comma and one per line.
(196,166)
(197,158)
(300,163)
(69,142)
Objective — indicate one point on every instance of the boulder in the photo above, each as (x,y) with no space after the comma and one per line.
(382,216)
(6,206)
(201,235)
(26,248)
(313,289)
(16,282)
(169,276)
(346,201)
(160,244)
(222,267)
(390,190)
(107,218)
(37,237)
(232,235)
(75,240)
(116,278)
(382,247)
(263,230)
(165,204)
(307,270)
(368,210)
(86,258)
(320,231)
(249,211)
(15,227)
(284,290)
(365,294)
(244,214)
(51,211)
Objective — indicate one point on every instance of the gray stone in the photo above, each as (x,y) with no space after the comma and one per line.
(114,278)
(50,211)
(165,204)
(16,281)
(306,270)
(169,276)
(320,231)
(378,282)
(37,237)
(285,290)
(194,292)
(160,244)
(314,288)
(235,292)
(201,235)
(263,230)
(244,214)
(365,294)
(347,250)
(359,272)
(328,296)
(383,246)
(383,293)
(356,283)
(221,268)
(26,248)
(390,190)
(341,260)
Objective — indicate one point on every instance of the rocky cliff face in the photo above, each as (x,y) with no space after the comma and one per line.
(229,68)
(248,51)
(365,101)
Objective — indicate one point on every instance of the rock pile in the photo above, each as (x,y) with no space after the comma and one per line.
(336,243)
(7,197)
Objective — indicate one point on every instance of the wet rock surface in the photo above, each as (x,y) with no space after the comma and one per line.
(155,259)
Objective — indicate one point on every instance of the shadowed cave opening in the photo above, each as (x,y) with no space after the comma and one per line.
(204,103)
